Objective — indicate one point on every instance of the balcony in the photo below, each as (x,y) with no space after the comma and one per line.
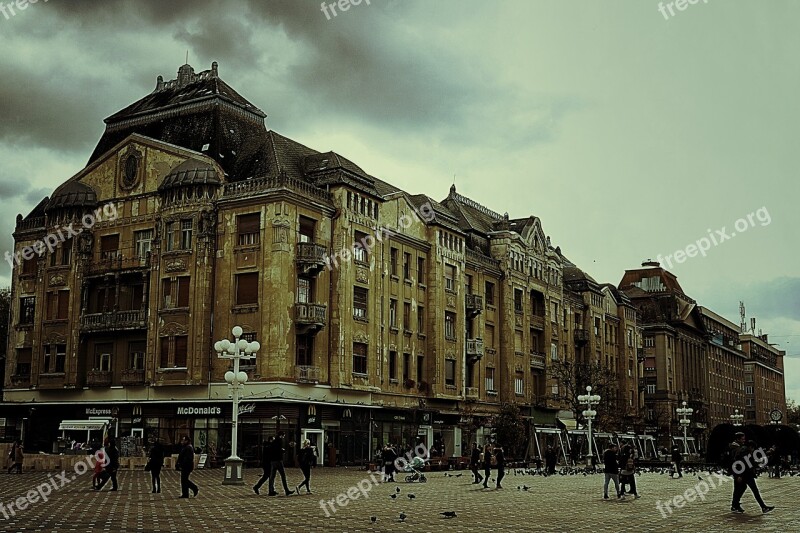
(116,263)
(98,378)
(581,337)
(474,305)
(310,257)
(309,318)
(114,321)
(472,393)
(53,380)
(537,322)
(132,376)
(537,360)
(21,380)
(307,374)
(474,350)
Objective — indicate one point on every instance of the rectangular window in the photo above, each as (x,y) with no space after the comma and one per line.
(359,358)
(136,351)
(247,288)
(596,326)
(66,252)
(420,320)
(169,233)
(143,242)
(489,334)
(517,300)
(420,368)
(519,384)
(553,351)
(186,234)
(518,342)
(166,292)
(421,270)
(181,350)
(393,365)
(183,291)
(27,309)
(109,246)
(23,362)
(102,359)
(47,358)
(304,295)
(248,229)
(29,266)
(164,353)
(651,388)
(407,266)
(61,358)
(748,389)
(450,277)
(490,379)
(62,310)
(393,261)
(468,284)
(450,325)
(407,316)
(406,366)
(554,391)
(360,253)
(360,302)
(307,229)
(392,313)
(649,342)
(449,372)
(53,257)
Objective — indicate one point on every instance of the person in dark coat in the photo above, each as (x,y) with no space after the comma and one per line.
(487,464)
(550,460)
(677,458)
(627,468)
(389,456)
(276,466)
(110,470)
(307,458)
(185,464)
(156,462)
(266,463)
(500,459)
(744,476)
(475,463)
(17,457)
(611,468)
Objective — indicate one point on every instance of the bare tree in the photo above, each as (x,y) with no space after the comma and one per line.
(5,311)
(573,378)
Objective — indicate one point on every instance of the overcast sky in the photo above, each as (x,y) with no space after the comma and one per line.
(629,135)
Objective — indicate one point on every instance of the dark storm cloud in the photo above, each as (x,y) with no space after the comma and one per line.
(772,299)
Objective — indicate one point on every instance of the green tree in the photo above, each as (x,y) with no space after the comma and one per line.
(511,429)
(792,412)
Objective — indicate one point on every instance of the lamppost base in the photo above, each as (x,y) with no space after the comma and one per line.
(233,471)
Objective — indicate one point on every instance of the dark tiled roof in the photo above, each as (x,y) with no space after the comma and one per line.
(471,215)
(441,214)
(190,172)
(72,194)
(573,273)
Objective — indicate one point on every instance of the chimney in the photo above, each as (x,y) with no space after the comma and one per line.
(214,70)
(159,83)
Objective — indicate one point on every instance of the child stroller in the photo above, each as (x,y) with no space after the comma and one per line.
(414,469)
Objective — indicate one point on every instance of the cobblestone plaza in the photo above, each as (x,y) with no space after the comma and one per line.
(560,503)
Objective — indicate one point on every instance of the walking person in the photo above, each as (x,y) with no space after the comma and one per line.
(266,462)
(677,458)
(500,459)
(156,462)
(550,459)
(111,466)
(185,464)
(627,465)
(475,463)
(487,464)
(611,469)
(308,458)
(17,457)
(389,456)
(744,475)
(98,466)
(276,466)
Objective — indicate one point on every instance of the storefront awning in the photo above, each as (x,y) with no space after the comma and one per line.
(82,425)
(569,423)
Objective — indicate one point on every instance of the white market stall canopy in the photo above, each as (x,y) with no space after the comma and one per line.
(82,425)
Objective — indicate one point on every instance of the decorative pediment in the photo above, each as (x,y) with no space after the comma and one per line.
(173,328)
(361,337)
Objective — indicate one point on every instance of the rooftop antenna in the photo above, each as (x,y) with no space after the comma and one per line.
(187,57)
(743,324)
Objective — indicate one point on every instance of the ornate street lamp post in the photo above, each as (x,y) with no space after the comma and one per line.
(685,412)
(237,350)
(590,400)
(736,418)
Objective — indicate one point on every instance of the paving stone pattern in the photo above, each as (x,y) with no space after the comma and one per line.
(560,503)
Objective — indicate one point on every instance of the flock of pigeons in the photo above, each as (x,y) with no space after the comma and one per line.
(403,516)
